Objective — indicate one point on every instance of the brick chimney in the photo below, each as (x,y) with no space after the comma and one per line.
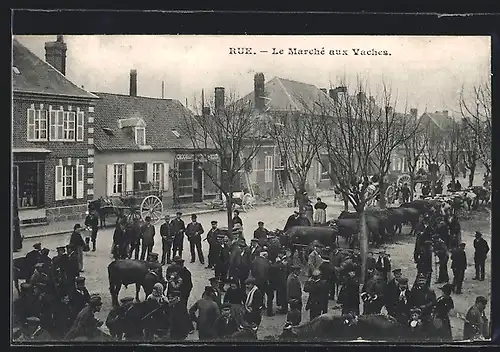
(219,98)
(414,113)
(55,54)
(445,113)
(258,88)
(323,90)
(334,93)
(133,83)
(388,110)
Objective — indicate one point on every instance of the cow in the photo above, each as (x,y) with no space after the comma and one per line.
(302,236)
(22,271)
(401,216)
(482,194)
(130,271)
(349,225)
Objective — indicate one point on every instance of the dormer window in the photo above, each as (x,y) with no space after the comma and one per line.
(140,135)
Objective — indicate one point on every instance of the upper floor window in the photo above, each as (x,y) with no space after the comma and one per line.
(37,125)
(140,135)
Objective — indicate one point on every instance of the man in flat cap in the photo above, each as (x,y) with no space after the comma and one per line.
(208,312)
(79,296)
(33,257)
(217,297)
(85,324)
(481,250)
(476,322)
(255,248)
(261,233)
(32,331)
(225,325)
(392,291)
(444,305)
(167,238)
(292,221)
(402,305)
(254,302)
(423,297)
(77,241)
(236,218)
(213,244)
(148,233)
(458,266)
(59,262)
(178,228)
(194,230)
(318,291)
(294,287)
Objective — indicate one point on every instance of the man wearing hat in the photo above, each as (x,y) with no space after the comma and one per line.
(225,325)
(277,282)
(208,312)
(444,305)
(441,252)
(72,267)
(392,291)
(185,276)
(240,262)
(39,275)
(79,296)
(92,221)
(238,232)
(424,261)
(76,240)
(221,261)
(254,302)
(422,297)
(234,294)
(85,324)
(216,295)
(261,233)
(402,304)
(167,238)
(458,266)
(148,233)
(213,244)
(59,262)
(178,228)
(383,265)
(32,331)
(260,272)
(24,306)
(318,292)
(33,257)
(294,287)
(292,221)
(349,295)
(476,322)
(255,248)
(236,218)
(481,250)
(194,230)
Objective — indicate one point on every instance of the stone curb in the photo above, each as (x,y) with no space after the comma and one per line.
(61,232)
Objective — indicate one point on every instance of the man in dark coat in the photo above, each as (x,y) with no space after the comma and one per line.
(294,287)
(76,240)
(167,238)
(92,221)
(79,296)
(383,265)
(213,244)
(85,323)
(226,324)
(187,283)
(458,266)
(255,248)
(178,227)
(133,235)
(240,262)
(400,309)
(254,302)
(33,257)
(59,262)
(277,282)
(424,261)
(318,291)
(216,294)
(442,253)
(481,250)
(422,297)
(234,294)
(455,229)
(261,233)
(25,305)
(349,295)
(476,322)
(221,260)
(236,218)
(392,292)
(405,192)
(32,331)
(444,305)
(373,294)
(260,272)
(208,312)
(72,266)
(335,259)
(147,235)
(293,220)
(194,230)
(119,240)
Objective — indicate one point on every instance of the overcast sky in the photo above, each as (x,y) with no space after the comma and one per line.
(427,72)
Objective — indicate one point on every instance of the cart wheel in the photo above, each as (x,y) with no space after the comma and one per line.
(132,215)
(403,179)
(390,192)
(153,207)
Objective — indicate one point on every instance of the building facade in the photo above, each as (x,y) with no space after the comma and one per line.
(53,137)
(139,145)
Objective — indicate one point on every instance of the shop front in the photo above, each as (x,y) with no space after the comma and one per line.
(194,182)
(29,178)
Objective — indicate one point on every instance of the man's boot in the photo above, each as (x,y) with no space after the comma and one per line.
(93,246)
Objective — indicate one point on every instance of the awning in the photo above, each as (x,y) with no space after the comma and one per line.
(31,150)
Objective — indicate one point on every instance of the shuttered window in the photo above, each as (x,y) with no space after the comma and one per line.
(268,170)
(80,118)
(37,125)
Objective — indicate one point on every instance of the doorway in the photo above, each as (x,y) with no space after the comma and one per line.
(197,182)
(140,175)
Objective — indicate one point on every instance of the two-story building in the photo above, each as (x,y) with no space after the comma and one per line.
(53,136)
(139,142)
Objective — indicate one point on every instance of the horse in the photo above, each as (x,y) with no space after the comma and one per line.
(103,207)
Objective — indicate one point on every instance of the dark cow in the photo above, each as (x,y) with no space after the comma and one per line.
(482,195)
(130,271)
(301,236)
(349,225)
(400,216)
(422,205)
(22,270)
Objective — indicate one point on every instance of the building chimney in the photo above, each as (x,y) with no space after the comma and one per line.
(361,97)
(445,113)
(414,113)
(133,83)
(206,110)
(388,110)
(323,90)
(219,98)
(259,92)
(335,93)
(55,54)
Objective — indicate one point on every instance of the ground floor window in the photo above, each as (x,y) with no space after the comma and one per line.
(209,186)
(118,178)
(185,179)
(158,175)
(29,183)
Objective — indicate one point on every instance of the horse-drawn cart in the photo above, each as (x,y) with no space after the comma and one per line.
(133,204)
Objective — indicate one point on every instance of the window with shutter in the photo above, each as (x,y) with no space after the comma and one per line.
(165,176)
(157,175)
(79,181)
(109,179)
(129,174)
(53,125)
(79,126)
(60,125)
(268,176)
(31,125)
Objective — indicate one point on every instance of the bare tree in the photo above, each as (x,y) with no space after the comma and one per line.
(229,130)
(452,149)
(470,150)
(475,108)
(347,135)
(414,149)
(295,139)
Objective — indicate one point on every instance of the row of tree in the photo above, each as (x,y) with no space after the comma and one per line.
(354,135)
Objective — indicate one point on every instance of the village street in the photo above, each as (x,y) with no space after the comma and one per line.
(95,263)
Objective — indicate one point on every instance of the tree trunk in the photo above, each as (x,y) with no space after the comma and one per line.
(346,202)
(229,207)
(412,186)
(382,188)
(471,175)
(433,183)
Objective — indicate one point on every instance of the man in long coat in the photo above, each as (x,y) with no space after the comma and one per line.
(208,312)
(178,227)
(476,322)
(85,323)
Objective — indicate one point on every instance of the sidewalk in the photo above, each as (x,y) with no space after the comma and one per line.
(63,227)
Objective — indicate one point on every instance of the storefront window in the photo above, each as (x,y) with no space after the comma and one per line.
(30,184)
(185,178)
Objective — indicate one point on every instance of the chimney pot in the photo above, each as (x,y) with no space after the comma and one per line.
(219,98)
(55,54)
(445,113)
(133,83)
(259,91)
